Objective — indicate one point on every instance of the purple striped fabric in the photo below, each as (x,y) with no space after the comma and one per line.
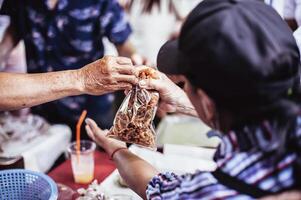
(238,155)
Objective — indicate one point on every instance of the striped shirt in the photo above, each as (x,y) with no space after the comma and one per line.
(239,156)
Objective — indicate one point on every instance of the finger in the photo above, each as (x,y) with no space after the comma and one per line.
(101,134)
(148,63)
(120,86)
(141,67)
(97,137)
(95,132)
(168,107)
(124,86)
(155,74)
(124,61)
(151,84)
(137,59)
(92,124)
(126,78)
(126,92)
(89,132)
(125,69)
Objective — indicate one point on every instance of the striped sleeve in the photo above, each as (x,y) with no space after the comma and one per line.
(163,184)
(169,186)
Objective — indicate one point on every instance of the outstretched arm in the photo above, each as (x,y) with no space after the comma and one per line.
(102,76)
(136,172)
(26,90)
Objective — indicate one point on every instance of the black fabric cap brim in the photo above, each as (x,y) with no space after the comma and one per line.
(168,58)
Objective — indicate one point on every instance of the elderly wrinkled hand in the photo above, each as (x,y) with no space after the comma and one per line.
(107,75)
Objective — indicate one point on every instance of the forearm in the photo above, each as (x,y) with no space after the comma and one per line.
(136,172)
(25,90)
(126,49)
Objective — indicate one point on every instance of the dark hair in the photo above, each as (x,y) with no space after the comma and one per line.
(149,4)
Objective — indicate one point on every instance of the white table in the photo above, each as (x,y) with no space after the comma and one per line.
(40,153)
(201,159)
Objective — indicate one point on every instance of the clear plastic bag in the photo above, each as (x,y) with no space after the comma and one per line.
(133,122)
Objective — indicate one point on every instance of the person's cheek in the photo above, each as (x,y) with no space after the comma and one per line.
(199,105)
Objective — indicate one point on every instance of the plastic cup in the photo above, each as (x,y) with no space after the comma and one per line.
(82,162)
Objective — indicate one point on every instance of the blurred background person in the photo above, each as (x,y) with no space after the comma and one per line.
(62,35)
(154,22)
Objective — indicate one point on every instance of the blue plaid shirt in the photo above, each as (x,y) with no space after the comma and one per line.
(67,37)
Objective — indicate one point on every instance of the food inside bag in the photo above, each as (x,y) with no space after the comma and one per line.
(133,122)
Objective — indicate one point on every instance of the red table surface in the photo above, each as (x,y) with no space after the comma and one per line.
(103,168)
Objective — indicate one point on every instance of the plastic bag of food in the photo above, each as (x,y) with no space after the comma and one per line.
(133,122)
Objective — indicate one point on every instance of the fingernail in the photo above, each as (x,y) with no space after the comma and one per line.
(87,120)
(142,83)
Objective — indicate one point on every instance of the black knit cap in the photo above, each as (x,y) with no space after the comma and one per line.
(240,52)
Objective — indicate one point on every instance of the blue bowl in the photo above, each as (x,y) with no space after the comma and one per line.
(23,184)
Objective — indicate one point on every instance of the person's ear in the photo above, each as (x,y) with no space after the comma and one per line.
(207,104)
